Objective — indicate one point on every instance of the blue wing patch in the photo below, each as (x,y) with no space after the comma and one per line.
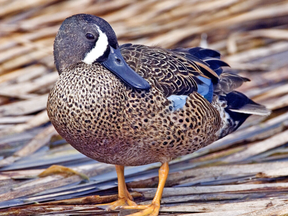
(178,101)
(205,88)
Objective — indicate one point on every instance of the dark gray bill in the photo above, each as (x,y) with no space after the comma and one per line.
(116,64)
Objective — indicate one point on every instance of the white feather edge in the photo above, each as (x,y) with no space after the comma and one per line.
(254,109)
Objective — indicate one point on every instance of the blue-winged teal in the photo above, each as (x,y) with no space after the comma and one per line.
(131,105)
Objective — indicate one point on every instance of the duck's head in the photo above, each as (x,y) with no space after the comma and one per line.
(91,40)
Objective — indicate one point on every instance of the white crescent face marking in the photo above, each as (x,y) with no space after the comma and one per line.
(99,48)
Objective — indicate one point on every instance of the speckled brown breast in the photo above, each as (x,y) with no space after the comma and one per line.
(109,122)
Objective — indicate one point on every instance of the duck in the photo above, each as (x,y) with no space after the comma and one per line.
(133,104)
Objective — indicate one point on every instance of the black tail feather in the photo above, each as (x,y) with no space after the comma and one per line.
(239,107)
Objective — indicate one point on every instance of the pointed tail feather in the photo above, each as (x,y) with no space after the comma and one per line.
(238,108)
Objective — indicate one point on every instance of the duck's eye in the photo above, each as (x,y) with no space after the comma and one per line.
(90,36)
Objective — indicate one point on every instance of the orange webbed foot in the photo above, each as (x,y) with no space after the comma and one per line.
(151,210)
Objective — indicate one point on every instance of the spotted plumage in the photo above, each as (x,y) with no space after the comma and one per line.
(118,123)
(167,103)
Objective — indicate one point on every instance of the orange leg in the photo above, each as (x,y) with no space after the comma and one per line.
(124,197)
(153,208)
